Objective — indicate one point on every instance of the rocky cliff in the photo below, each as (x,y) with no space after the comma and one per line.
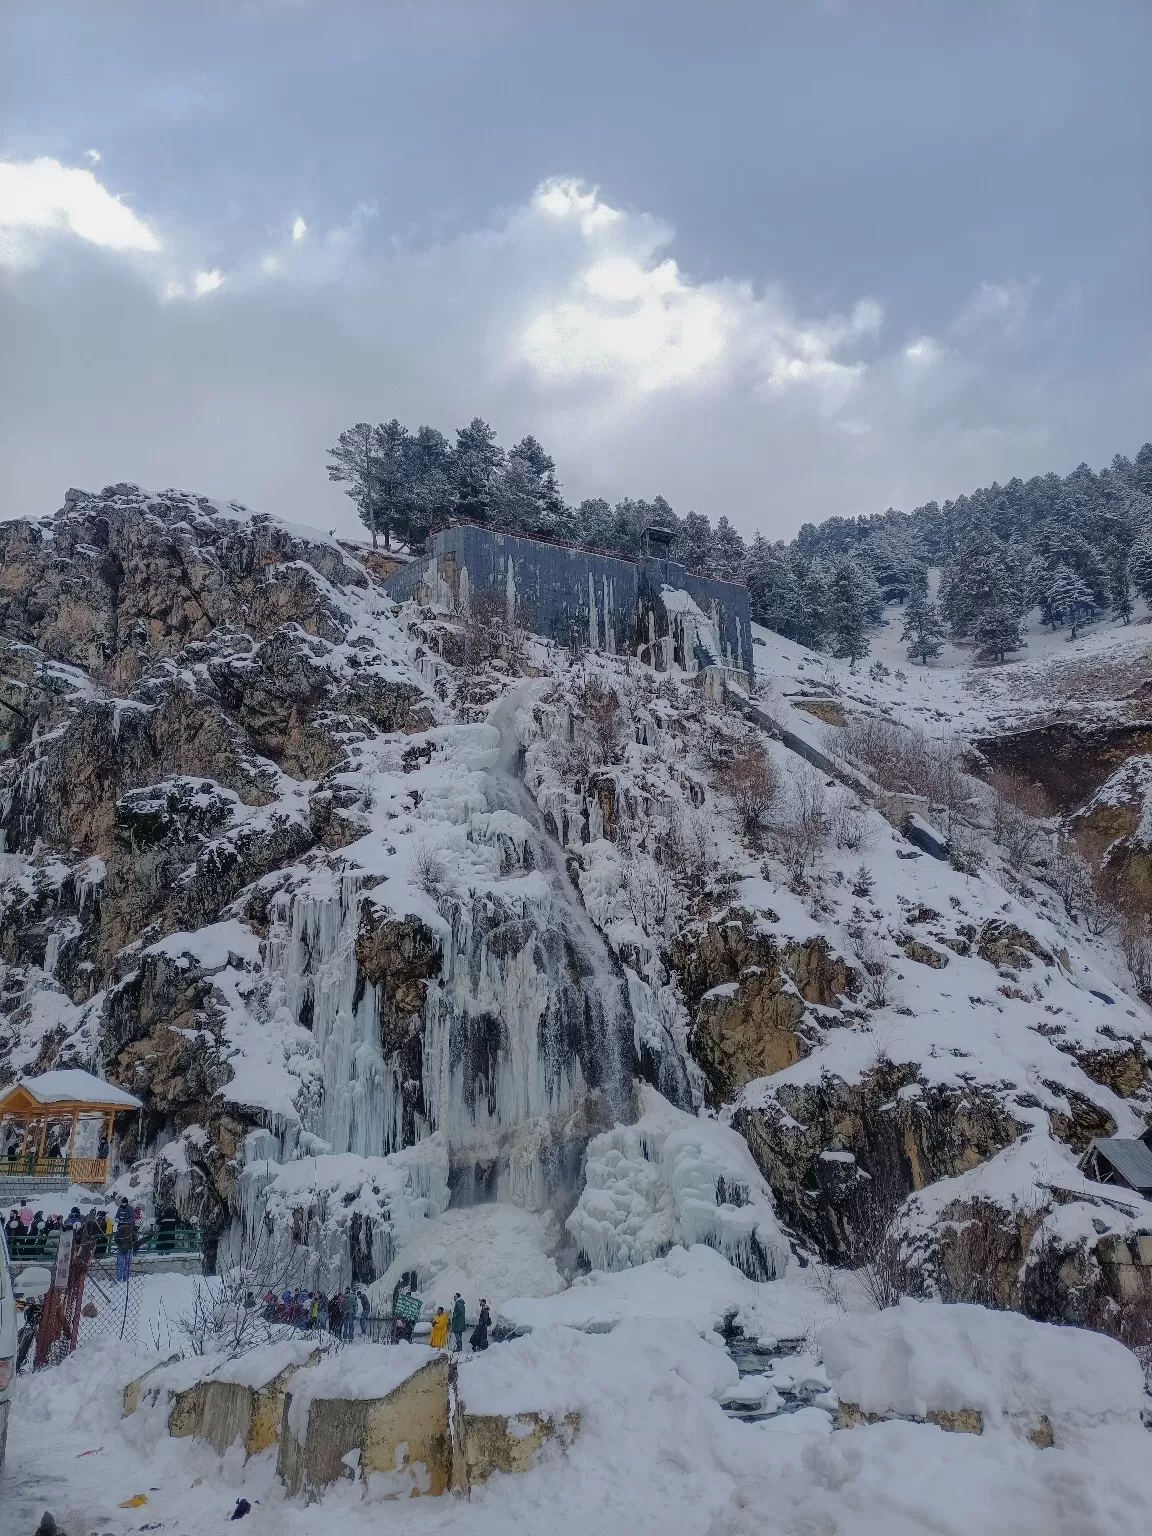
(314,872)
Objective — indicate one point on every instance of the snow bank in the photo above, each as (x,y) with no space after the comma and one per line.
(924,1355)
(558,1370)
(672,1178)
(695,1286)
(370,1370)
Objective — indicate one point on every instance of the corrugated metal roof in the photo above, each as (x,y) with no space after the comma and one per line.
(1131,1159)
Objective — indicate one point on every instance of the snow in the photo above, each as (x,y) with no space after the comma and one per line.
(492,1251)
(558,1370)
(922,1355)
(71,1085)
(654,1454)
(213,946)
(696,1285)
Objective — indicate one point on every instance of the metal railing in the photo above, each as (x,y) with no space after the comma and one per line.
(188,1241)
(71,1170)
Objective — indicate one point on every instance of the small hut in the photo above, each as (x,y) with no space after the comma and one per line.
(1122,1160)
(58,1128)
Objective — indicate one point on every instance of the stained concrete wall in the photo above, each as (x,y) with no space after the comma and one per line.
(606,602)
(414,1416)
(495,1443)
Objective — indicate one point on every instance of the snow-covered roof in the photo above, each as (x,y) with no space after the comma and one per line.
(74,1086)
(1129,1156)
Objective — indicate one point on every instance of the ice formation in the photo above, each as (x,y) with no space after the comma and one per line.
(340,1217)
(312,958)
(672,1178)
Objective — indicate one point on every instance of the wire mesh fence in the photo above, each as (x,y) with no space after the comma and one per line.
(111,1307)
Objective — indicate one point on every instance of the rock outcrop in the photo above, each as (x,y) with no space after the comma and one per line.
(750,997)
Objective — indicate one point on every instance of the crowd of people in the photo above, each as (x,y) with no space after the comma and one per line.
(120,1228)
(313,1311)
(345,1312)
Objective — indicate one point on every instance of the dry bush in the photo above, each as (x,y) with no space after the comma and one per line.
(601,723)
(430,870)
(905,760)
(651,896)
(686,845)
(802,829)
(227,1317)
(1082,892)
(488,632)
(751,781)
(848,823)
(876,1241)
(877,966)
(1136,945)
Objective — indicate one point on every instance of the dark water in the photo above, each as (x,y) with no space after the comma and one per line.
(753,1359)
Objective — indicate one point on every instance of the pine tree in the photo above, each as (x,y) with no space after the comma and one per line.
(430,497)
(999,632)
(848,612)
(1140,565)
(923,628)
(390,465)
(812,610)
(353,466)
(1070,597)
(476,461)
(728,552)
(693,546)
(1122,597)
(773,591)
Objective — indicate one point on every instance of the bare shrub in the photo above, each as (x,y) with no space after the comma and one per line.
(489,631)
(848,823)
(905,760)
(751,781)
(651,896)
(1083,893)
(877,1244)
(1014,807)
(601,720)
(430,870)
(1136,944)
(227,1317)
(876,964)
(967,852)
(687,846)
(801,831)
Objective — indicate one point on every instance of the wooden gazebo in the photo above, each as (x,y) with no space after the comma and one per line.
(59,1126)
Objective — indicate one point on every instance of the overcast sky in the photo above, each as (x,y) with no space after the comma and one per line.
(774,260)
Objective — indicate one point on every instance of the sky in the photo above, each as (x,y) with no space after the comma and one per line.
(777,261)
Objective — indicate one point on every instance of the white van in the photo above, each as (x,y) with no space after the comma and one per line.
(7,1344)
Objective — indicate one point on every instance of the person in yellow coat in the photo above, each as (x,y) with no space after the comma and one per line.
(438,1338)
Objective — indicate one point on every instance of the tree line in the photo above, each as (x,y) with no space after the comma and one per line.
(1075,547)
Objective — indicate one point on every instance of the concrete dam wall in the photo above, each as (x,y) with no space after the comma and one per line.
(648,607)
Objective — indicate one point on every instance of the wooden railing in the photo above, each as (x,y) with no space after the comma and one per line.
(72,1170)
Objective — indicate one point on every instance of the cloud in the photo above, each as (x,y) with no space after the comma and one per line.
(566,316)
(41,200)
(630,317)
(299,228)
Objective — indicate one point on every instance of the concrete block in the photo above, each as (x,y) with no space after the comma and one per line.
(402,1436)
(495,1443)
